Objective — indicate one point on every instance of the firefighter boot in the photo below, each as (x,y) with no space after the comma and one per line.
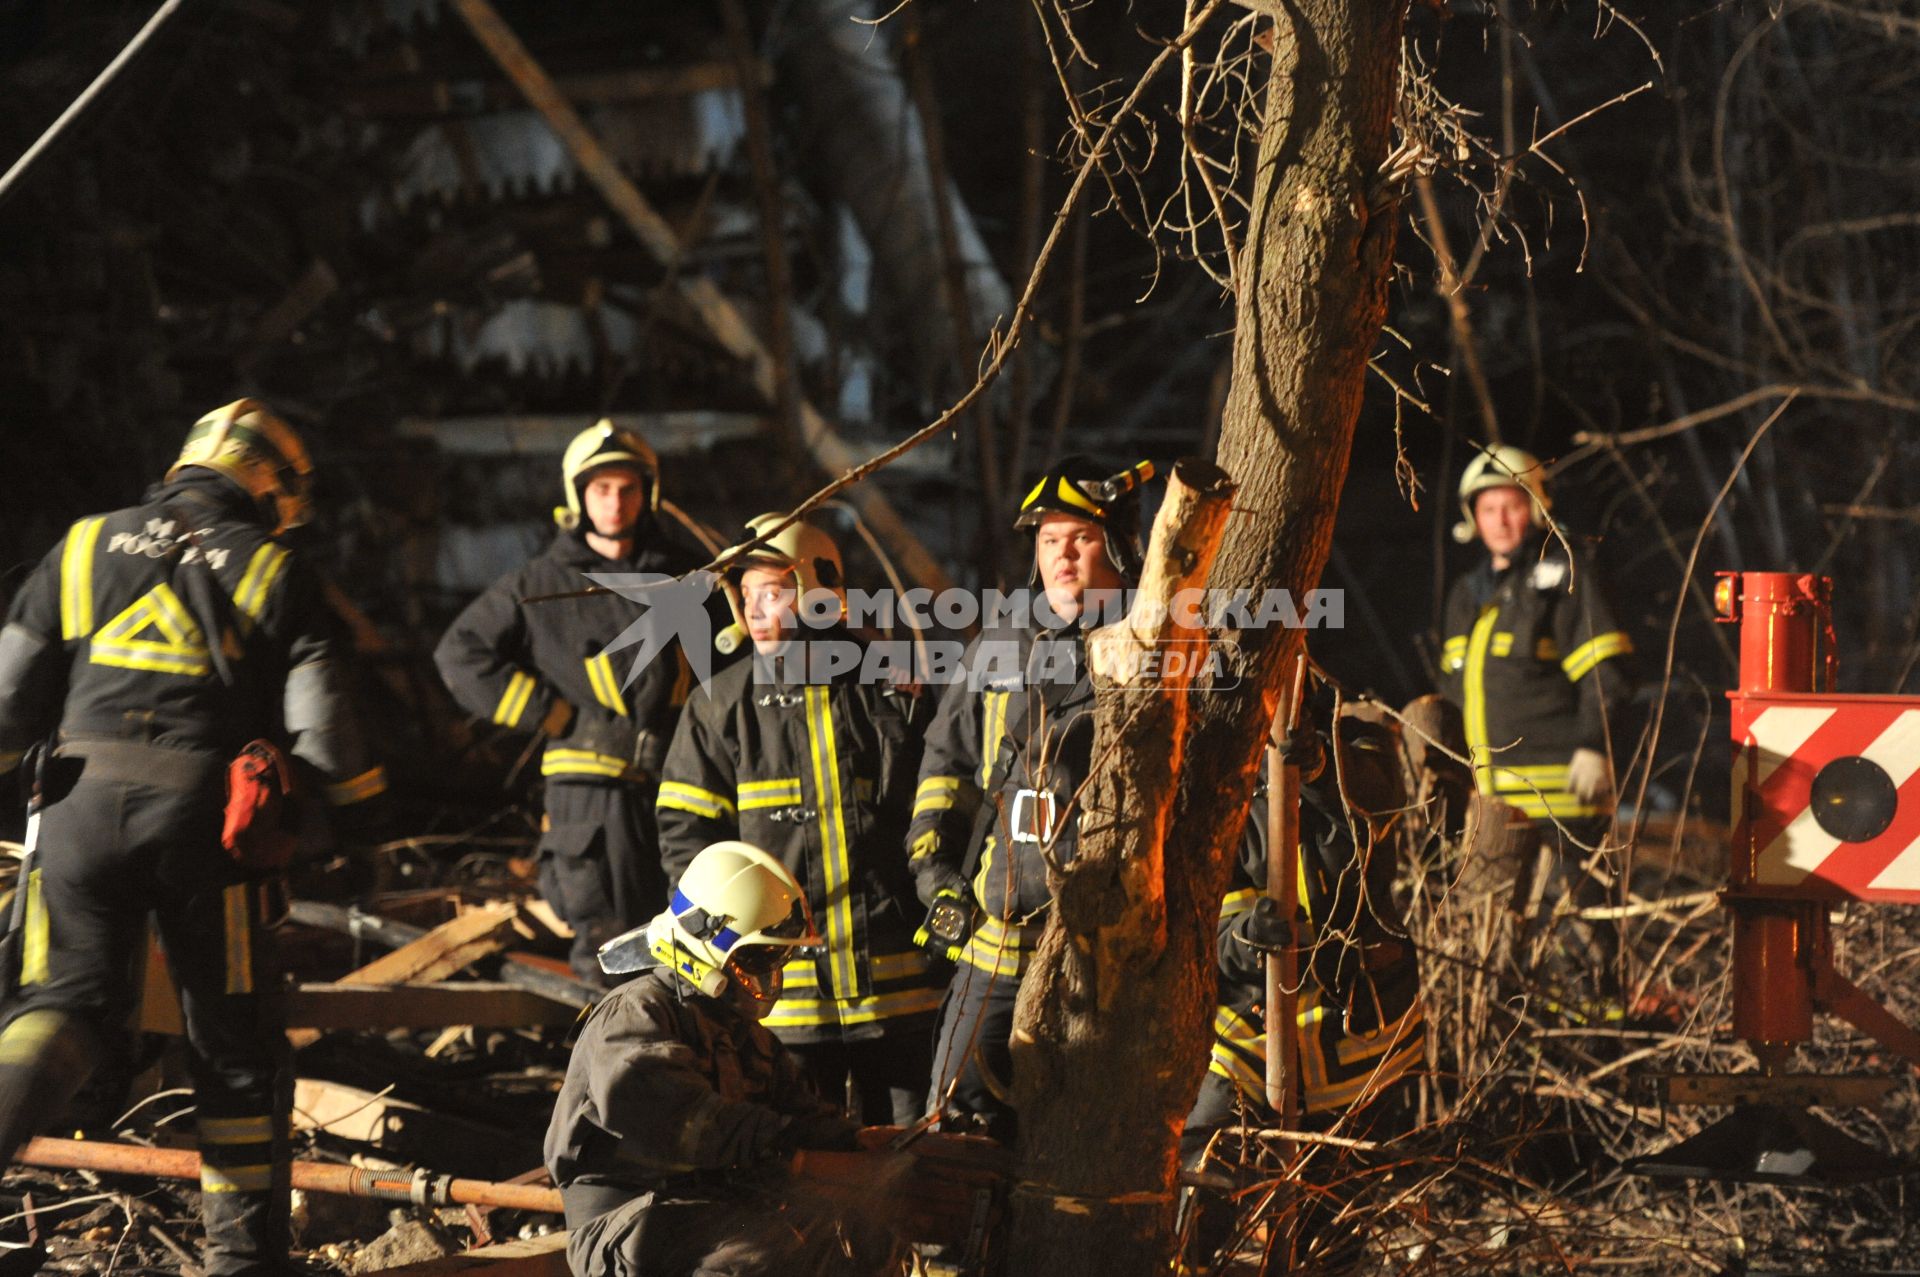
(245,1195)
(246,1232)
(45,1057)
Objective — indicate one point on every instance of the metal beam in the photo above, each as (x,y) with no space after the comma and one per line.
(721,319)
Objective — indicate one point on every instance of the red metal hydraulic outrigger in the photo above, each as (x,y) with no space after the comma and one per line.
(1826,809)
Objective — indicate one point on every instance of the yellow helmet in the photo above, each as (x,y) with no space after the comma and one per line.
(736,915)
(809,553)
(248,444)
(604,444)
(1501,466)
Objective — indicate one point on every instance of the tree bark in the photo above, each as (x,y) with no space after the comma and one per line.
(1112,1032)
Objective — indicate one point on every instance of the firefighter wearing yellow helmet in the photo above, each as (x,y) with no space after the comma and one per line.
(1536,659)
(793,751)
(672,1136)
(545,668)
(153,644)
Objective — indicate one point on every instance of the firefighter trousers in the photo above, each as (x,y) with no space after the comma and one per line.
(765,1234)
(888,1075)
(600,864)
(114,851)
(972,1061)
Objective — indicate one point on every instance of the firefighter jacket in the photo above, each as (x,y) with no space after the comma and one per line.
(508,661)
(1532,657)
(183,625)
(666,1084)
(820,775)
(1007,748)
(1361,1023)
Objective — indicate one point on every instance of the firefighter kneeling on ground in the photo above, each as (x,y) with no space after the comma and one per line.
(674,1132)
(154,645)
(1361,1026)
(793,752)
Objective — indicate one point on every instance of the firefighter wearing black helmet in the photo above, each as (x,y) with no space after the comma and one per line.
(150,647)
(1007,748)
(545,667)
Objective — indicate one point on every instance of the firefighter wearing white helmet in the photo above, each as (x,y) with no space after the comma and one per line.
(1536,659)
(791,750)
(804,558)
(143,654)
(670,1136)
(545,668)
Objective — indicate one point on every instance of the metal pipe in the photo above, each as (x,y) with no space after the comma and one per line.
(88,95)
(422,1188)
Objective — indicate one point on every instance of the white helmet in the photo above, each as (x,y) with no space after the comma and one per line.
(1501,466)
(249,444)
(809,553)
(738,914)
(604,444)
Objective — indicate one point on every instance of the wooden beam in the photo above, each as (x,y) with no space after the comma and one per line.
(484,1004)
(543,1256)
(723,322)
(446,950)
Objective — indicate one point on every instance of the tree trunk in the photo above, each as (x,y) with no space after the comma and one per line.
(1112,1032)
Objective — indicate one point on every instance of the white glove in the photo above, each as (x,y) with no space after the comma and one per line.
(1588,776)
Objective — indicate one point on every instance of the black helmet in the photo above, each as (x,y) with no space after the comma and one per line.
(1080,487)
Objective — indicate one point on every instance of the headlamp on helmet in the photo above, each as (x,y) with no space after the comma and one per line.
(1083,489)
(255,449)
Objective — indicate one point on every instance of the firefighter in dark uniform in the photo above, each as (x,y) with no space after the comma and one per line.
(1007,748)
(1536,661)
(149,647)
(672,1134)
(817,768)
(545,666)
(1361,1025)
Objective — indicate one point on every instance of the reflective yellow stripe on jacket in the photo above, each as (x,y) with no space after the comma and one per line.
(835,861)
(606,686)
(758,795)
(76,578)
(900,988)
(256,583)
(999,947)
(1581,660)
(679,796)
(583,762)
(993,725)
(936,793)
(513,701)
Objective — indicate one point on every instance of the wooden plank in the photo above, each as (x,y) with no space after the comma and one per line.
(543,1256)
(481,1003)
(446,950)
(723,322)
